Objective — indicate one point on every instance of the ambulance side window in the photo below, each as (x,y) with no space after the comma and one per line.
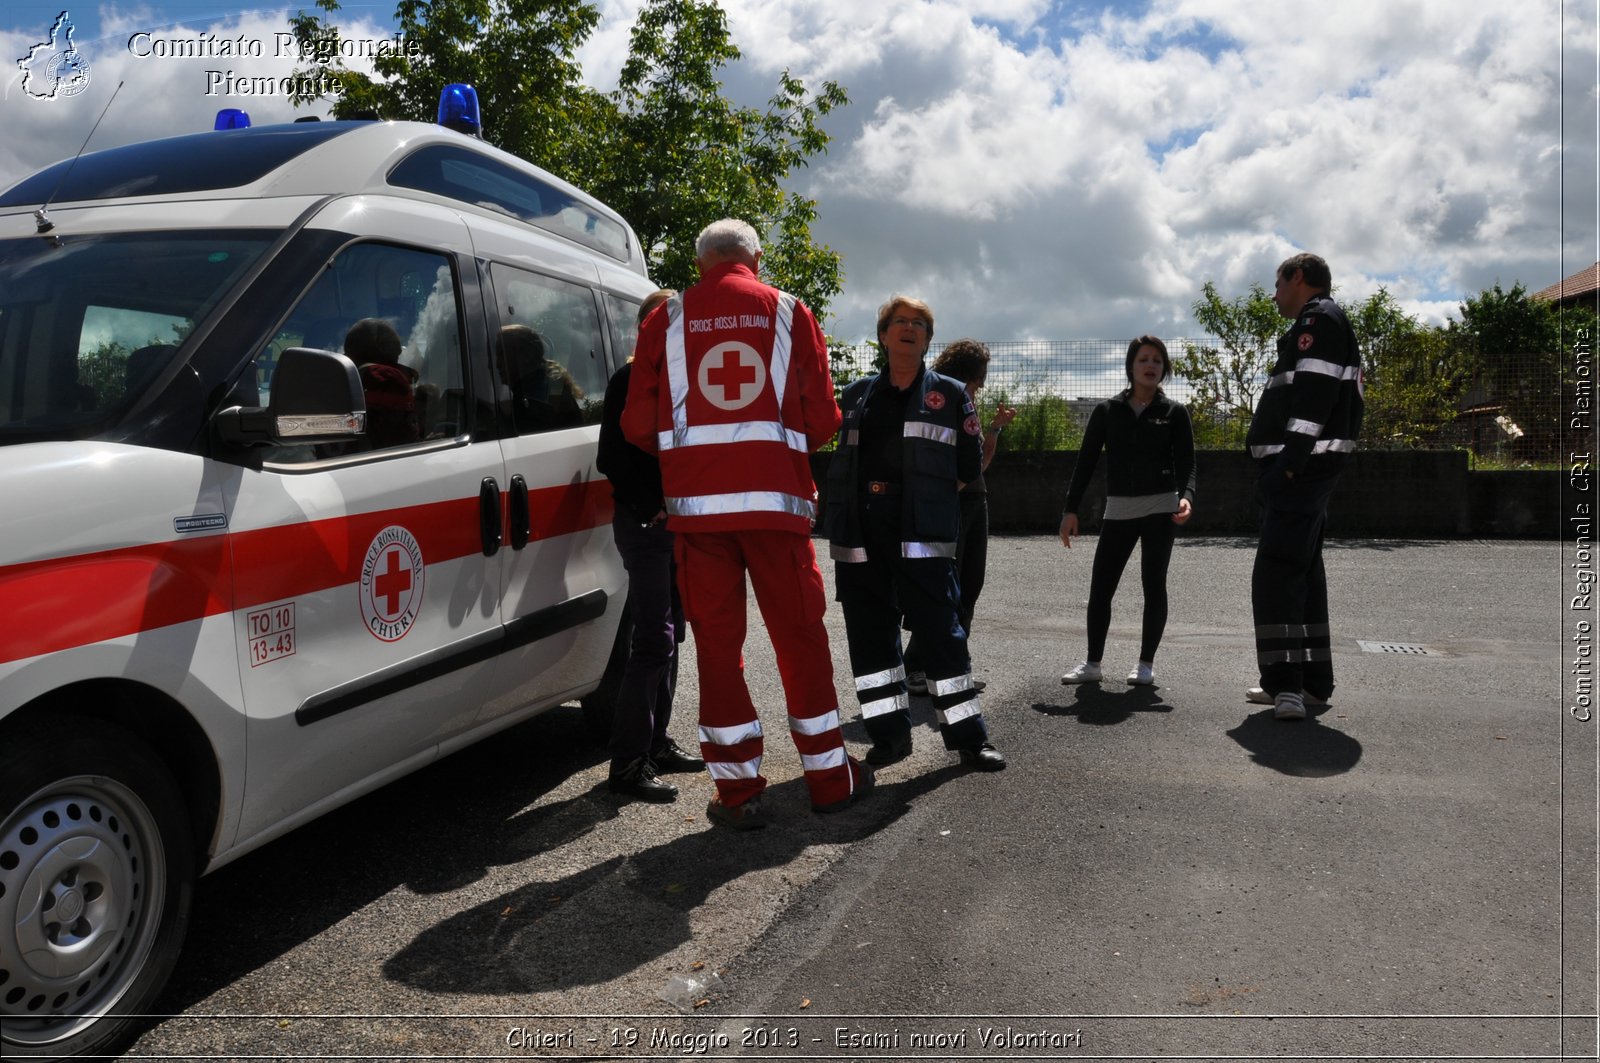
(550,355)
(393,311)
(624,315)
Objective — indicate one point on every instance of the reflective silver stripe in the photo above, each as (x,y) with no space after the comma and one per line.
(701,435)
(927,549)
(677,363)
(953,685)
(879,679)
(1289,631)
(728,736)
(1279,380)
(814,725)
(741,502)
(884,706)
(925,430)
(782,340)
(725,770)
(852,438)
(1322,368)
(833,758)
(1305,428)
(1321,446)
(1267,657)
(852,554)
(957,713)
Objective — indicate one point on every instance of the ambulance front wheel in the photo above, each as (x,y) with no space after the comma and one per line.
(97,873)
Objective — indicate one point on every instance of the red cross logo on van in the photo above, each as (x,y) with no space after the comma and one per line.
(731,375)
(391,584)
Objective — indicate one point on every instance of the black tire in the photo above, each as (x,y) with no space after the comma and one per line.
(600,705)
(95,826)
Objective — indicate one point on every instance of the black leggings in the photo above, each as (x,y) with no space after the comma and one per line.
(1117,538)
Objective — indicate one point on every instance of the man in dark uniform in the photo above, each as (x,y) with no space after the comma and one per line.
(908,443)
(1304,428)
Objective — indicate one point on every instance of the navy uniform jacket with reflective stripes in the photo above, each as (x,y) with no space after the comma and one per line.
(1309,416)
(940,448)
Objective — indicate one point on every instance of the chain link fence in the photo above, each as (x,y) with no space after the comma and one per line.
(1508,411)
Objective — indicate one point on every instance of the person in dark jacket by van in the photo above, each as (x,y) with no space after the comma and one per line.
(1150,480)
(641,749)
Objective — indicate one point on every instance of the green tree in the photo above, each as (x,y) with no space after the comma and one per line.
(667,149)
(1412,382)
(1509,349)
(1227,378)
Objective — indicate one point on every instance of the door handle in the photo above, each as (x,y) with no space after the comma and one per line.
(521,518)
(489,516)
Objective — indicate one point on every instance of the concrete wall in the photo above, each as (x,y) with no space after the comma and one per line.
(1383,494)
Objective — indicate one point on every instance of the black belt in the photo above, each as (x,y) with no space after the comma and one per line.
(882,487)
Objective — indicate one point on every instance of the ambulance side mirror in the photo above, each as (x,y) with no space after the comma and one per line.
(316,397)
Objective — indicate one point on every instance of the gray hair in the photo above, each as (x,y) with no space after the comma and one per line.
(728,237)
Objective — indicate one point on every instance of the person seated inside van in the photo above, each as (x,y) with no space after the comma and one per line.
(374,346)
(543,394)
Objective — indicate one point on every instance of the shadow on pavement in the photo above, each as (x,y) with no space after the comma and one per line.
(1304,748)
(609,919)
(433,831)
(1100,705)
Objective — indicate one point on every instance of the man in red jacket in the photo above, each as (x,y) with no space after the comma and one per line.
(731,386)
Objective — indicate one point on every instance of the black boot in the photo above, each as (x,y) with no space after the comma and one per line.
(639,780)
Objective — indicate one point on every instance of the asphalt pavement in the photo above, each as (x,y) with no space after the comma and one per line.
(1161,873)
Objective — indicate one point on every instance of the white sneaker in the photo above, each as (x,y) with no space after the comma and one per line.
(1289,707)
(1143,675)
(1087,672)
(1258,696)
(917,683)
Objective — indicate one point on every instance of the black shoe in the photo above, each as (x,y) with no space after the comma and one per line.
(739,817)
(672,758)
(978,685)
(891,752)
(984,758)
(863,787)
(639,780)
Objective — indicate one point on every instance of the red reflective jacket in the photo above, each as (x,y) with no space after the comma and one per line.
(731,387)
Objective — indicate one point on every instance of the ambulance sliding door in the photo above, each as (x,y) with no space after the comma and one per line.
(564,583)
(368,611)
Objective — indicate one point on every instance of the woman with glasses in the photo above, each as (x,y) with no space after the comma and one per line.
(908,444)
(1149,446)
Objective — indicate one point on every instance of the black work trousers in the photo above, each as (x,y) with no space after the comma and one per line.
(1289,587)
(1117,539)
(875,594)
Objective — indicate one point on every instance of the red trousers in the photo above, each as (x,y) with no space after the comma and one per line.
(789,591)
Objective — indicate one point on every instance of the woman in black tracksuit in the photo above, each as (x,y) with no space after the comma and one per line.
(1149,445)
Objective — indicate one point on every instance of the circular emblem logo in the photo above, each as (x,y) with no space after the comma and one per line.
(935,400)
(391,584)
(971,426)
(731,375)
(67,73)
(1305,341)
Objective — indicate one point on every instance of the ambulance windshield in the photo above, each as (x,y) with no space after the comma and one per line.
(88,324)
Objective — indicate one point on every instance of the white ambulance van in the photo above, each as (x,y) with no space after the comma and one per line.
(297,495)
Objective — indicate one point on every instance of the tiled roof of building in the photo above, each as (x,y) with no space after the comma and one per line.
(1581,283)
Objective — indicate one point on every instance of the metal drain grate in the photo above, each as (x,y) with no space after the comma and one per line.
(1410,649)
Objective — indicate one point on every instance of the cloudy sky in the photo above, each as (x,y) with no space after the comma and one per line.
(1066,170)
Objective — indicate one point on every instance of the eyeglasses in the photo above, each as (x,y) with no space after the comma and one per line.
(908,322)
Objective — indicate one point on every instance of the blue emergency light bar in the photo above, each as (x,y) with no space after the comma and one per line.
(232,118)
(458,109)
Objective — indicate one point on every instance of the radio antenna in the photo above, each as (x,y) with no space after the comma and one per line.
(41,216)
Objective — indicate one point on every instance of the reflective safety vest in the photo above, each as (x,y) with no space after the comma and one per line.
(740,395)
(941,448)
